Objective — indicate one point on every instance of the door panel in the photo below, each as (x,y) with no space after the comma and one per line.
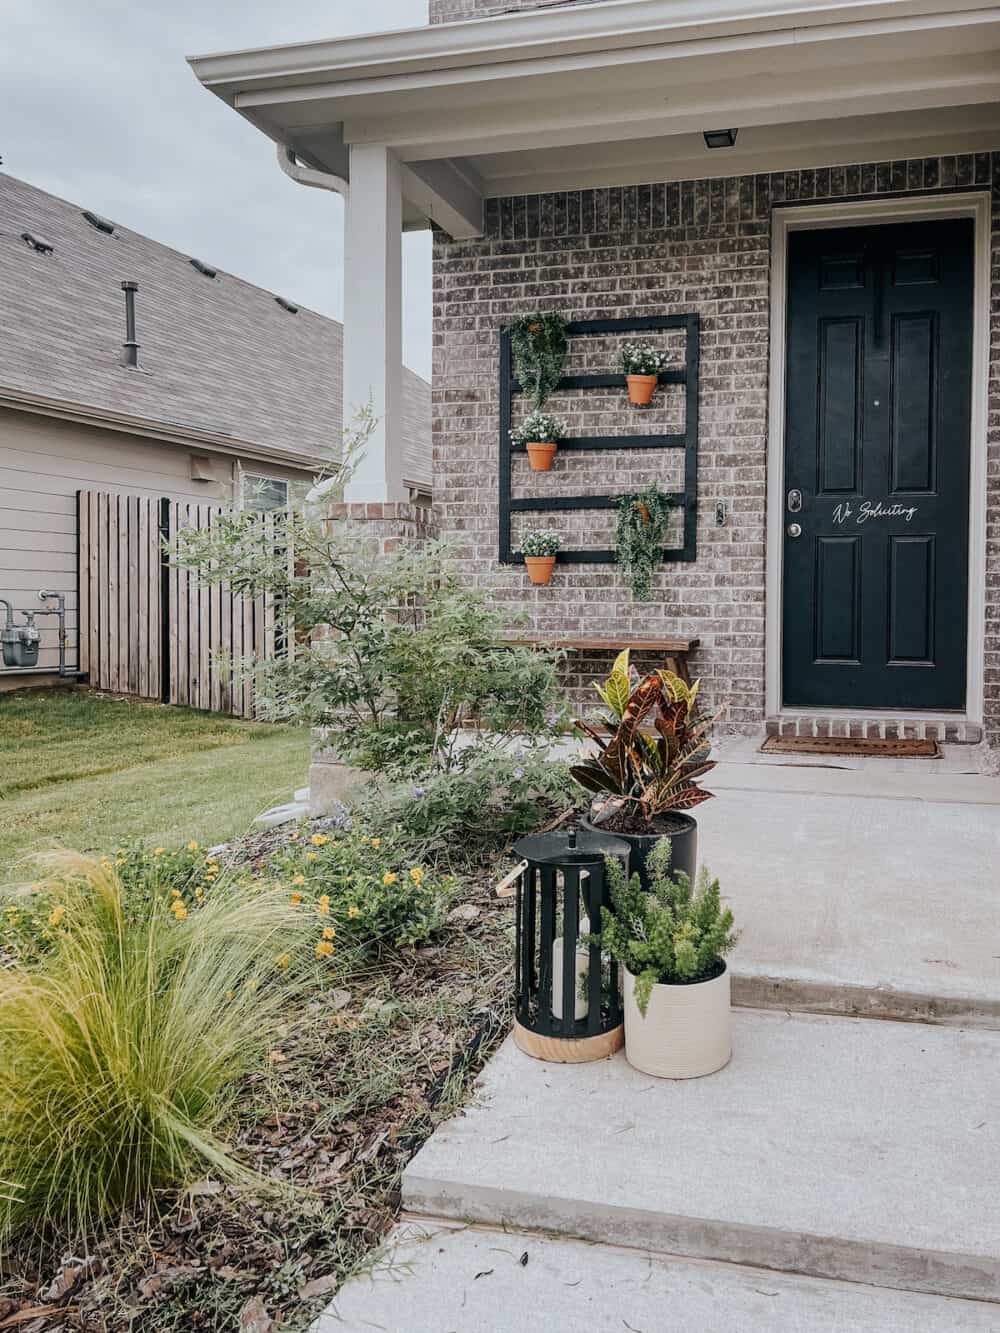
(877,443)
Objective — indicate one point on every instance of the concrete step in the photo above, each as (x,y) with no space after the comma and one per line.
(834,1147)
(858,905)
(431,1280)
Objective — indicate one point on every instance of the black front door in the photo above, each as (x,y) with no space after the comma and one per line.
(877,466)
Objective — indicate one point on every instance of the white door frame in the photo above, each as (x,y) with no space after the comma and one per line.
(810,217)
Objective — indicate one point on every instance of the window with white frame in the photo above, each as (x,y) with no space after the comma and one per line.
(262,493)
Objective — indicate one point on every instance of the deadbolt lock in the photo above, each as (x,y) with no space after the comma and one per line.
(794,502)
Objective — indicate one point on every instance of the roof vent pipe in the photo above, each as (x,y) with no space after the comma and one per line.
(130,348)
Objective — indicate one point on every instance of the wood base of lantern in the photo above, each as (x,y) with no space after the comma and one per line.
(569,1051)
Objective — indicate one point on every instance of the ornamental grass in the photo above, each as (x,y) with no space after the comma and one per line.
(123,1044)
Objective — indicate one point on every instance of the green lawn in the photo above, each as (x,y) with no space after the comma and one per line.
(86,772)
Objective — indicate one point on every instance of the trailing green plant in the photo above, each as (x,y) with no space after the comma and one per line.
(647,775)
(538,428)
(642,359)
(124,1043)
(477,808)
(394,653)
(538,343)
(672,935)
(641,531)
(541,542)
(369,888)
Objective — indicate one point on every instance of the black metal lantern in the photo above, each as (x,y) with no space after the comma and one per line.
(568,1002)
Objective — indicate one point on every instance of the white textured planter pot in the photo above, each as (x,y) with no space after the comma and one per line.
(686,1032)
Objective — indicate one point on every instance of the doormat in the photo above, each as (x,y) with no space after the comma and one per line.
(852,747)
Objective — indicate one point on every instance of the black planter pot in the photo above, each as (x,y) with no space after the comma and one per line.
(683,844)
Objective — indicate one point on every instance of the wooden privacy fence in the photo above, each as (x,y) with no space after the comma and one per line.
(149,629)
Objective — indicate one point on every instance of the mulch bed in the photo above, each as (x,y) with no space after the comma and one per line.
(361,1078)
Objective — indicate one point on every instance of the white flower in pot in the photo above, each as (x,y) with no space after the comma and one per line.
(641,366)
(671,942)
(539,549)
(540,434)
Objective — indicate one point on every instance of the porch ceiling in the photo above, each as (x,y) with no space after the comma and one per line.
(535,100)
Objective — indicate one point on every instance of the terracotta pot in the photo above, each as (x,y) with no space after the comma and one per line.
(540,456)
(687,1029)
(540,567)
(641,388)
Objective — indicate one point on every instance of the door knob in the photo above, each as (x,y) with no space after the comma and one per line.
(794,530)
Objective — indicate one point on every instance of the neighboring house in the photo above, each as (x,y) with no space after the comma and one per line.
(236,392)
(820,186)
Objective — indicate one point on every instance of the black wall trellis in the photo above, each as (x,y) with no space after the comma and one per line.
(688,441)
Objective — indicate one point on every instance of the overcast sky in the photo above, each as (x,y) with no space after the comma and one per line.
(98,105)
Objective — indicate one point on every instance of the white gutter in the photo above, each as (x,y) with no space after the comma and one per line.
(549,33)
(319,180)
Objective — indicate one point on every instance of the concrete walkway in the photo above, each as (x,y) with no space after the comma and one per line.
(857,1161)
(434,1279)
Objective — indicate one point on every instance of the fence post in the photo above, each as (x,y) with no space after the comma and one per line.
(164,549)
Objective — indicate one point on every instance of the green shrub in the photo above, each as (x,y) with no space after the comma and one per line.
(369,887)
(670,935)
(123,1043)
(477,808)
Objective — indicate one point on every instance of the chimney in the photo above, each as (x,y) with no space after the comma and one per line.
(130,348)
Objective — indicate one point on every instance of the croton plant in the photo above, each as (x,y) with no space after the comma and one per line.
(653,747)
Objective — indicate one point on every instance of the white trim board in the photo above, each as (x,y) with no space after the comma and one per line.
(914,208)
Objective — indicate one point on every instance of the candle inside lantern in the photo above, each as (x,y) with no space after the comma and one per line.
(582,1006)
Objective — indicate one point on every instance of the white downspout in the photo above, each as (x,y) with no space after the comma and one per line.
(319,180)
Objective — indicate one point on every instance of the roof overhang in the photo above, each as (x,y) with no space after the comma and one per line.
(612,92)
(191,437)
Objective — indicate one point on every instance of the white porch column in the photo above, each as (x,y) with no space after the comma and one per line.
(373,333)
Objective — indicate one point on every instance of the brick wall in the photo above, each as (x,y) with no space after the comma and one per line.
(450,11)
(640,250)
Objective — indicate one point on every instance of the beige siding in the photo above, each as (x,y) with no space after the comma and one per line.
(43,463)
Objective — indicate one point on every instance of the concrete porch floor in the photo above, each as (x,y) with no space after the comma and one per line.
(869,889)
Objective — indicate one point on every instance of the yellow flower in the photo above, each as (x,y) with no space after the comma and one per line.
(252,984)
(295,899)
(180,912)
(159,851)
(56,915)
(323,906)
(329,933)
(192,846)
(311,856)
(389,877)
(376,842)
(324,949)
(175,893)
(199,893)
(417,875)
(299,879)
(230,994)
(282,960)
(352,912)
(319,839)
(211,860)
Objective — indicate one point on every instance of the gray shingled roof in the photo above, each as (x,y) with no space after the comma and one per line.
(216,354)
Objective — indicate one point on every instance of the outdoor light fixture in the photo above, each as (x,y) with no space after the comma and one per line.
(567,997)
(720,138)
